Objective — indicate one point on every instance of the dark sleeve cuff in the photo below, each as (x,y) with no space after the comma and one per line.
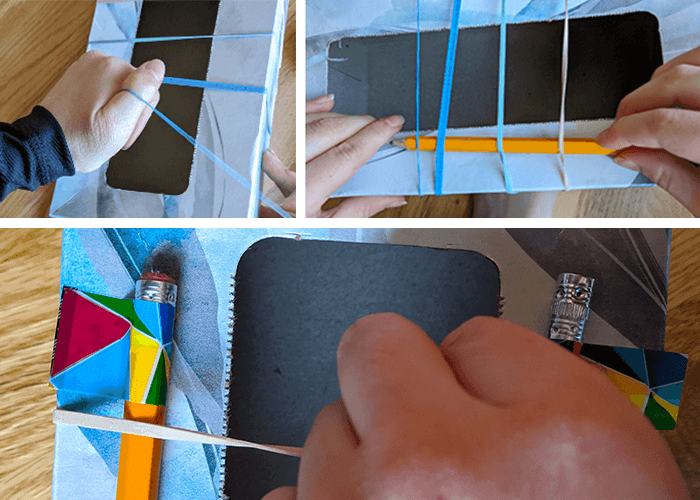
(46,139)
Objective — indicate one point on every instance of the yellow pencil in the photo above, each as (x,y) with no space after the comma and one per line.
(510,145)
(139,456)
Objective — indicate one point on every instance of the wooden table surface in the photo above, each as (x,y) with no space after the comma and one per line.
(40,39)
(29,295)
(627,202)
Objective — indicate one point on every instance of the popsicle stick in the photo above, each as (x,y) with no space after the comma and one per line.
(101,422)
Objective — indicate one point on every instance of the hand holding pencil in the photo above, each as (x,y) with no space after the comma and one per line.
(657,129)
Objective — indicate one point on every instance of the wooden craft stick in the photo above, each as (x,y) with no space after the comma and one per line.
(101,422)
(510,145)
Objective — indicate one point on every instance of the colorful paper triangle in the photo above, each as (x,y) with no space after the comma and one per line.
(633,389)
(665,367)
(634,358)
(157,391)
(143,356)
(671,393)
(84,328)
(123,307)
(607,356)
(658,415)
(104,373)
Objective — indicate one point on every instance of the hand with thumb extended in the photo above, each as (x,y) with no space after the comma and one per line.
(97,118)
(495,412)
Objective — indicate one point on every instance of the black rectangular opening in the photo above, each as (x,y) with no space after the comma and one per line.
(160,161)
(609,57)
(293,302)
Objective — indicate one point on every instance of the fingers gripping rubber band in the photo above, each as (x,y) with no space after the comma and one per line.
(446,95)
(564,78)
(238,177)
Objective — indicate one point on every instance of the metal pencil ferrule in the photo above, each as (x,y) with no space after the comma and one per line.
(571,307)
(156,291)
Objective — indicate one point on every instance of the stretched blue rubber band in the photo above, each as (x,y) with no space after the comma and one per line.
(446,95)
(233,87)
(502,96)
(420,191)
(238,177)
(177,38)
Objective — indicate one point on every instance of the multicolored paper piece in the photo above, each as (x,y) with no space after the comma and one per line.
(115,348)
(652,380)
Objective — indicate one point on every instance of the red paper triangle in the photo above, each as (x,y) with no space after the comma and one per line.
(84,328)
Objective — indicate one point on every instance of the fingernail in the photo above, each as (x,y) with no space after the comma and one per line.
(272,155)
(627,163)
(156,66)
(325,98)
(603,137)
(398,204)
(396,120)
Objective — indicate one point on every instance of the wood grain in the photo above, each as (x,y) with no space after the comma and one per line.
(283,139)
(29,295)
(30,264)
(683,335)
(41,39)
(37,50)
(451,206)
(627,202)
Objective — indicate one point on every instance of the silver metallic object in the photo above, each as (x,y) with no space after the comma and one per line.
(156,290)
(571,308)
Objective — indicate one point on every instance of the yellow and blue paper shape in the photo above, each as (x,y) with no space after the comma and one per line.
(114,348)
(652,380)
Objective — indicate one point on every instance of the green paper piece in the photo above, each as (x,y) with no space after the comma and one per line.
(661,419)
(123,307)
(159,385)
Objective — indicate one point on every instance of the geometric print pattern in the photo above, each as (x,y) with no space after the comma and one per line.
(652,380)
(114,348)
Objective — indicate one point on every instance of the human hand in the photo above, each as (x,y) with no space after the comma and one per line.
(496,412)
(285,184)
(97,119)
(336,147)
(657,129)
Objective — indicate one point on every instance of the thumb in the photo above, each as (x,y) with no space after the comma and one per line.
(124,109)
(672,173)
(283,177)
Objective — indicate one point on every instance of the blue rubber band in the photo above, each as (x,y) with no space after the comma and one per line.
(446,95)
(502,96)
(233,87)
(177,38)
(238,177)
(420,191)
